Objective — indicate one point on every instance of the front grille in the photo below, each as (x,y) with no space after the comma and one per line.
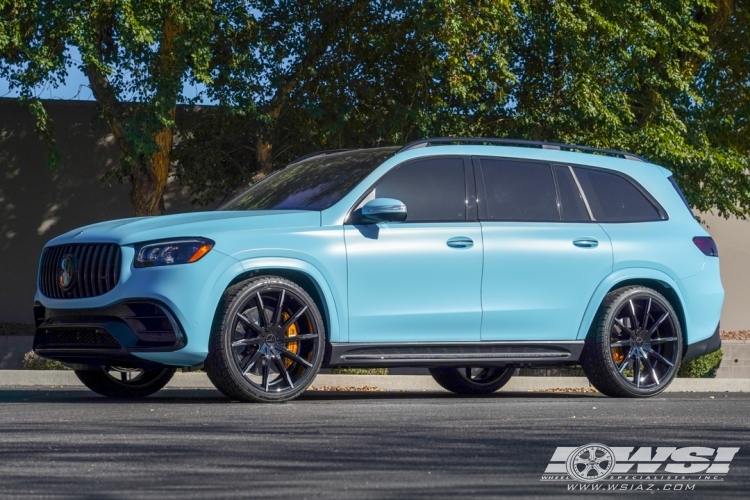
(75,338)
(96,272)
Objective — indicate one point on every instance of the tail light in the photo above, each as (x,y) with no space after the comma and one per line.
(706,245)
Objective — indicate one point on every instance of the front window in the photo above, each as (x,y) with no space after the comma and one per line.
(314,184)
(432,189)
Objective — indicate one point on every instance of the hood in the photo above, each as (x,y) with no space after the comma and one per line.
(206,224)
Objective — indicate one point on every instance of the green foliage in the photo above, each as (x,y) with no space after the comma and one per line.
(702,367)
(667,79)
(33,362)
(359,371)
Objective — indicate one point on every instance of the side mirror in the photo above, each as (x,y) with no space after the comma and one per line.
(384,210)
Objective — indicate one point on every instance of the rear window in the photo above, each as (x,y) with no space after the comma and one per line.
(613,198)
(519,191)
(314,184)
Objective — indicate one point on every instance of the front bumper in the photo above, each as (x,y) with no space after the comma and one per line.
(109,335)
(190,292)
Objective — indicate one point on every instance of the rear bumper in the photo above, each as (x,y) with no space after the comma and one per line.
(703,347)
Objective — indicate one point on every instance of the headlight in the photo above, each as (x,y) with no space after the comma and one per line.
(166,253)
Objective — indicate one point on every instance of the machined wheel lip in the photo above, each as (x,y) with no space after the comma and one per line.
(491,374)
(264,346)
(129,377)
(644,332)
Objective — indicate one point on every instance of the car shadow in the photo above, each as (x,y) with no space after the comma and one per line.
(212,396)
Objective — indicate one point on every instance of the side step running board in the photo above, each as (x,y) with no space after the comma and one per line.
(489,353)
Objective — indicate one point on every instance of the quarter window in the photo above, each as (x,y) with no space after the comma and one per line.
(519,191)
(432,189)
(613,198)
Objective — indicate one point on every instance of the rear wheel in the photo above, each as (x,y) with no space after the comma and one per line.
(267,343)
(635,347)
(471,380)
(116,382)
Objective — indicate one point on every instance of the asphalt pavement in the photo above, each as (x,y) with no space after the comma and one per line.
(70,443)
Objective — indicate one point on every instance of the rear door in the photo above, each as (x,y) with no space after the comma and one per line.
(418,280)
(543,255)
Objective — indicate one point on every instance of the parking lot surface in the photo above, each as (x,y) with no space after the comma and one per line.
(71,443)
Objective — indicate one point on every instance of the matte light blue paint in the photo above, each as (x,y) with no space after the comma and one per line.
(412,282)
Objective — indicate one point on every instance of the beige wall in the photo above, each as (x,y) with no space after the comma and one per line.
(37,204)
(733,239)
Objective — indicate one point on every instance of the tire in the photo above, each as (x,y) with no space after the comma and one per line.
(131,382)
(252,357)
(471,381)
(634,347)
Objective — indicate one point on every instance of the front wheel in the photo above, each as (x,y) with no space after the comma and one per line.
(471,380)
(116,382)
(267,343)
(635,346)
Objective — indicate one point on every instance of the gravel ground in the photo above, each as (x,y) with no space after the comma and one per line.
(738,335)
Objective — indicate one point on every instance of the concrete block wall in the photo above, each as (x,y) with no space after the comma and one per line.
(736,360)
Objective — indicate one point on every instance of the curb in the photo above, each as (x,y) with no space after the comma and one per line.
(406,383)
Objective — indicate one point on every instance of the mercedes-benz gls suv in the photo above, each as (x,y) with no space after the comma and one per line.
(471,257)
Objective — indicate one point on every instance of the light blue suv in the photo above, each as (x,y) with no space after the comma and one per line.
(471,257)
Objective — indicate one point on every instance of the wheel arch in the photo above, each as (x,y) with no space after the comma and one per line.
(304,275)
(650,278)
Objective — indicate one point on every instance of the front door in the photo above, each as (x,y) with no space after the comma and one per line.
(419,280)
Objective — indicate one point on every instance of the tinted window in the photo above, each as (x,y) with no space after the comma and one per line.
(613,198)
(519,191)
(432,189)
(313,184)
(572,207)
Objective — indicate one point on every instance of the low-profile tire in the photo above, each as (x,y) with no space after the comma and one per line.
(267,342)
(473,381)
(634,347)
(117,382)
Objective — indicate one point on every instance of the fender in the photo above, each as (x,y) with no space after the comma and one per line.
(619,276)
(198,332)
(337,323)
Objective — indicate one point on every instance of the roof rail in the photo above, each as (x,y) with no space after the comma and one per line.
(318,153)
(519,142)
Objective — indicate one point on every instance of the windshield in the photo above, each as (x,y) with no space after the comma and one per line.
(313,184)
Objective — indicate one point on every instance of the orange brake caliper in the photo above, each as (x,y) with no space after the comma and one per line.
(291,332)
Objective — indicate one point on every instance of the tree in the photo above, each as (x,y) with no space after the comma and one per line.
(137,56)
(667,79)
(391,71)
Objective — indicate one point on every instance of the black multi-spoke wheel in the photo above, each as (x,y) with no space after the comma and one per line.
(116,382)
(471,380)
(268,341)
(636,345)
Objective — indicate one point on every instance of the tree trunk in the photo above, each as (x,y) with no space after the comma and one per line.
(149,178)
(264,155)
(148,174)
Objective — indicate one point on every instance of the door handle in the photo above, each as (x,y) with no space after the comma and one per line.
(460,242)
(586,242)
